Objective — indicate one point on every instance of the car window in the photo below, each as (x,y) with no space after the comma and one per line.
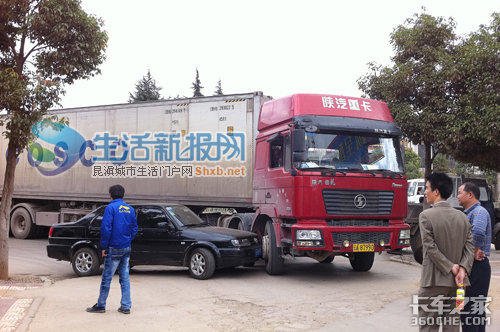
(97,217)
(151,217)
(185,216)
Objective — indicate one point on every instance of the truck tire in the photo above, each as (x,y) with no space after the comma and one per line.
(362,261)
(21,224)
(274,262)
(85,262)
(327,260)
(416,246)
(201,264)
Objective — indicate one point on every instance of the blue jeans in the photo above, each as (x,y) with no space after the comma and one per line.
(116,258)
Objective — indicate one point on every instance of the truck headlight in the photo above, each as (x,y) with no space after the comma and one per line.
(404,234)
(308,234)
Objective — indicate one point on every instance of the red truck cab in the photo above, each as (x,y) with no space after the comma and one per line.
(328,180)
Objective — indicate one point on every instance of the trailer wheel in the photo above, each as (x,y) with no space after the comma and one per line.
(201,264)
(21,224)
(272,255)
(362,261)
(416,246)
(85,262)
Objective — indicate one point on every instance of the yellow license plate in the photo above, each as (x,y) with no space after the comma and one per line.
(363,247)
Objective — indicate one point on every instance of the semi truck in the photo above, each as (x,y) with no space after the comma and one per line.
(313,175)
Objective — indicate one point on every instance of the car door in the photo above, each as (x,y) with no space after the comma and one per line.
(94,230)
(156,238)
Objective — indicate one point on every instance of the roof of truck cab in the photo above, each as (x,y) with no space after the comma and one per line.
(281,110)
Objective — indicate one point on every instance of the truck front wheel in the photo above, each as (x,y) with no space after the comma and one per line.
(21,224)
(272,255)
(416,246)
(362,261)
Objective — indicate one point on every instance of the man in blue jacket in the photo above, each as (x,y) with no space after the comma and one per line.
(118,229)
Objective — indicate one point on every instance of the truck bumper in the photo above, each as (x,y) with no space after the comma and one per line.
(352,239)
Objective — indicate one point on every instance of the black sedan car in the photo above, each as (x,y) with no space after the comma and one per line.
(169,234)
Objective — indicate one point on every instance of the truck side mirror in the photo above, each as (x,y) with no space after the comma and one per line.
(299,140)
(299,145)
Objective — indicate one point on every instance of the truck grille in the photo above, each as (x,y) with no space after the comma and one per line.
(360,237)
(341,202)
(357,223)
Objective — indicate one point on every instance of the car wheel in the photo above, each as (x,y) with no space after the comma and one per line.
(201,264)
(21,225)
(362,261)
(416,246)
(272,255)
(327,260)
(85,262)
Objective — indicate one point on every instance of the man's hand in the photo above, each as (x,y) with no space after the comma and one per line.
(459,278)
(479,255)
(455,269)
(104,254)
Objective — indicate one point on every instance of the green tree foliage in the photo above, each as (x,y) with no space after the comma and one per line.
(469,171)
(415,86)
(44,44)
(441,164)
(412,164)
(474,74)
(197,86)
(145,90)
(444,91)
(218,89)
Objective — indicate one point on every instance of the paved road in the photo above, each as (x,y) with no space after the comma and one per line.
(310,296)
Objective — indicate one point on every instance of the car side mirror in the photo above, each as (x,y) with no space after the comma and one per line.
(166,225)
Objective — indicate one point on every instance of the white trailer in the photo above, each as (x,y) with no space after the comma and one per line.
(193,151)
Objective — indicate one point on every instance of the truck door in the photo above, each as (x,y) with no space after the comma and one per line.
(156,238)
(279,183)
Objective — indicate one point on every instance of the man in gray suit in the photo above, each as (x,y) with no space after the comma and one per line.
(448,255)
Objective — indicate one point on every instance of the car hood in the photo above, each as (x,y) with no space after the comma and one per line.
(233,233)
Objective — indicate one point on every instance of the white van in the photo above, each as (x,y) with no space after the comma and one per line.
(416,189)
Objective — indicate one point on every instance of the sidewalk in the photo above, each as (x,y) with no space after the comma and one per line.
(15,309)
(40,307)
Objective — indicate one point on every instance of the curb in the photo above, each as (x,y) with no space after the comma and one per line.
(25,323)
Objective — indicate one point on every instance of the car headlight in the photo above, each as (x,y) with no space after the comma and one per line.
(240,242)
(308,234)
(404,234)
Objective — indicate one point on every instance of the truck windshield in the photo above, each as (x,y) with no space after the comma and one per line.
(352,152)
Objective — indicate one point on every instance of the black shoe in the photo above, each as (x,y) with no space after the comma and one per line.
(96,309)
(124,311)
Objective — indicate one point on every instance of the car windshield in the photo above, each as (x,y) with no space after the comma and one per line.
(352,152)
(185,216)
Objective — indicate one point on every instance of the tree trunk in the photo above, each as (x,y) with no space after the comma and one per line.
(428,168)
(5,205)
(428,159)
